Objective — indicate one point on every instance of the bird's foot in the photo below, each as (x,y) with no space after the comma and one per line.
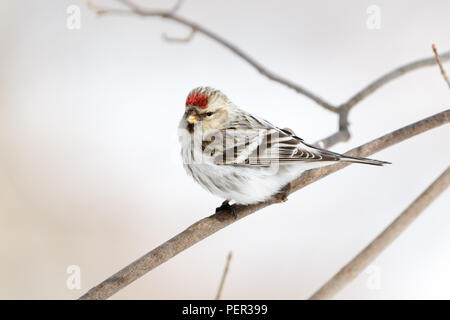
(282,195)
(225,206)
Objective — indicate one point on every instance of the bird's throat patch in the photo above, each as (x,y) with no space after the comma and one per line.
(190,128)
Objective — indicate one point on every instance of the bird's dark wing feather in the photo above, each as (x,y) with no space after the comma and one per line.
(256,142)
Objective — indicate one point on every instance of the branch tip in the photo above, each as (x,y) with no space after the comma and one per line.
(441,67)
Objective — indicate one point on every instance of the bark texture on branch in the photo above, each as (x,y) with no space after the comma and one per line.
(209,225)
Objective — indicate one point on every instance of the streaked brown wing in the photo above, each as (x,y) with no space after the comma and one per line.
(256,142)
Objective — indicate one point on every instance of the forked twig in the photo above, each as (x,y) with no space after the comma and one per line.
(342,134)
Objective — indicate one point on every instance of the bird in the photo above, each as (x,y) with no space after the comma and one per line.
(240,157)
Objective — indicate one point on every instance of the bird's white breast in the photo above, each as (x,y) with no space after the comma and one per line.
(243,184)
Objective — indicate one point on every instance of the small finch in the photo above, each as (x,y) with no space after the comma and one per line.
(240,157)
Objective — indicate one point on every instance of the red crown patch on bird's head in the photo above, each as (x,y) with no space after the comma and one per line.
(197,99)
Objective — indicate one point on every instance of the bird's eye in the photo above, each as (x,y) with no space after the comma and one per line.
(209,114)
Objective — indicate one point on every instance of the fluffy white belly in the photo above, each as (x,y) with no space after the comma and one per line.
(244,184)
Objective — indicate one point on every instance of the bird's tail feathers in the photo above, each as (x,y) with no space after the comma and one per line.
(364,160)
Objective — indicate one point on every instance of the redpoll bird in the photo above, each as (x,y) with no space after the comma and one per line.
(240,157)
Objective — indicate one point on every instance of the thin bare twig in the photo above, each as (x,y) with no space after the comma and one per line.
(438,60)
(224,276)
(394,74)
(170,15)
(210,225)
(177,6)
(343,133)
(374,249)
(188,38)
(103,11)
(131,5)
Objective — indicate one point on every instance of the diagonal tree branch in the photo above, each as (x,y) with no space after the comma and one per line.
(351,270)
(210,225)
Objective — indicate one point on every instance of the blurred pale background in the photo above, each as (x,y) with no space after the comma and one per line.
(90,173)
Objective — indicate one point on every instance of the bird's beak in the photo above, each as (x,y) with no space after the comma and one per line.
(192,119)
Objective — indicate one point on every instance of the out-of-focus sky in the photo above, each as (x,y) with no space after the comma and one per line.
(90,173)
